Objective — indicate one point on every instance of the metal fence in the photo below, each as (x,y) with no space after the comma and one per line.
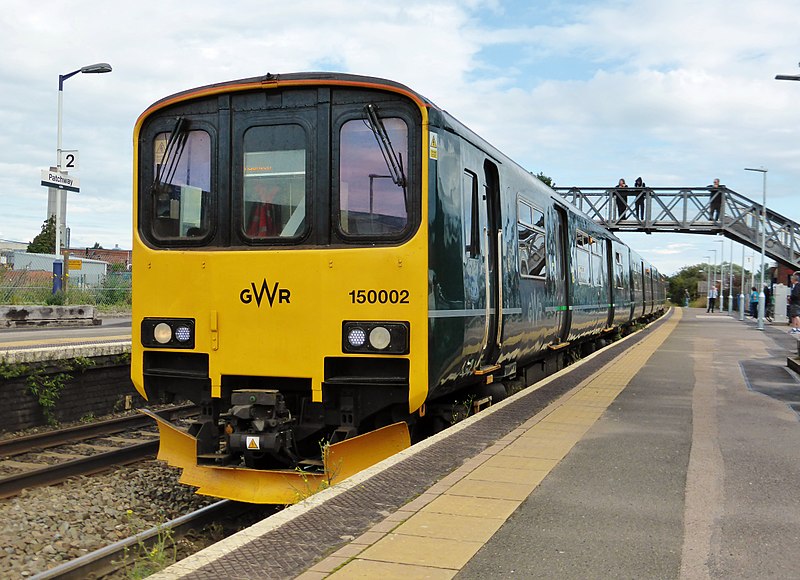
(28,279)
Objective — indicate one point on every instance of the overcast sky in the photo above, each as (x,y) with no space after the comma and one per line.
(678,92)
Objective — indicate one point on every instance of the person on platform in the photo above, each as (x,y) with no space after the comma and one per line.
(753,302)
(794,304)
(621,197)
(713,294)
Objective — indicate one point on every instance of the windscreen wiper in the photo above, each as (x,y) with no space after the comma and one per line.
(394,162)
(172,155)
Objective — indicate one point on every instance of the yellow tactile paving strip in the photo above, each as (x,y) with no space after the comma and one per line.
(435,535)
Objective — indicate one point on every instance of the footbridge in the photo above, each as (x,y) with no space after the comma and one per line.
(691,210)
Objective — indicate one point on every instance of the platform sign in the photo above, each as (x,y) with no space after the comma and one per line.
(60,180)
(75,264)
(69,159)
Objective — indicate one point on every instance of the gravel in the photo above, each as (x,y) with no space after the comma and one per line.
(44,527)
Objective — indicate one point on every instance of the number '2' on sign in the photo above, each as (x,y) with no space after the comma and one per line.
(69,160)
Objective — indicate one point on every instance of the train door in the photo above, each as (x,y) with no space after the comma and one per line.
(611,261)
(491,243)
(563,285)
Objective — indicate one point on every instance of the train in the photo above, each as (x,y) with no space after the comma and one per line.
(330,266)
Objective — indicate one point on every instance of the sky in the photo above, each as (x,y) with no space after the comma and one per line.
(586,92)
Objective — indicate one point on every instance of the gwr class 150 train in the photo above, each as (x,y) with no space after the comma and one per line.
(322,261)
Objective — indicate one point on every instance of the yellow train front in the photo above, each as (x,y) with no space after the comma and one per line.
(281,278)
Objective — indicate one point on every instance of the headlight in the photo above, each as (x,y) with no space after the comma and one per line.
(162,333)
(356,337)
(375,337)
(380,337)
(168,332)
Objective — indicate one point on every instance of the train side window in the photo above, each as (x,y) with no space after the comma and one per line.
(274,184)
(531,249)
(596,250)
(372,201)
(182,196)
(582,259)
(471,218)
(618,280)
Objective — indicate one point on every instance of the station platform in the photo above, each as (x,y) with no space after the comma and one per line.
(47,343)
(674,453)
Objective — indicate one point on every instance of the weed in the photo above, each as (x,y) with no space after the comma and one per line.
(327,481)
(81,363)
(47,390)
(147,558)
(12,370)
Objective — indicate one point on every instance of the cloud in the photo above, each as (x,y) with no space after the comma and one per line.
(587,92)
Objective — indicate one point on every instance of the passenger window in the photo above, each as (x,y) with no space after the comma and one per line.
(618,269)
(471,218)
(182,194)
(531,241)
(371,203)
(582,259)
(274,182)
(596,249)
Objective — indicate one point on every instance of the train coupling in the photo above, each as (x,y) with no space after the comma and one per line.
(259,426)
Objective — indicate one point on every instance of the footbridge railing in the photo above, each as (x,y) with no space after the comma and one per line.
(693,210)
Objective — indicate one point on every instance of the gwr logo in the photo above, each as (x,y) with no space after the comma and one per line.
(249,294)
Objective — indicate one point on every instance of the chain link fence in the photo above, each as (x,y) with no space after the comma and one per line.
(29,279)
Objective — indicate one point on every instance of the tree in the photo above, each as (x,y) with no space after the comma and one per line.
(45,242)
(689,277)
(544,179)
(97,246)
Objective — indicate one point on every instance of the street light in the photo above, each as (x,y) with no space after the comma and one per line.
(721,243)
(788,77)
(100,67)
(741,289)
(730,283)
(714,276)
(761,296)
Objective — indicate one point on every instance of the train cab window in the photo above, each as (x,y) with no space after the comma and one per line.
(618,269)
(582,258)
(274,184)
(530,241)
(471,218)
(373,170)
(182,188)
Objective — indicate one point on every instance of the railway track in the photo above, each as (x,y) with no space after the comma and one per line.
(34,460)
(113,558)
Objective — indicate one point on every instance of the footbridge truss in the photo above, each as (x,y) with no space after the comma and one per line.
(689,210)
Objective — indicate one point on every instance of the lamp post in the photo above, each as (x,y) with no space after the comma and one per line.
(788,77)
(761,296)
(714,271)
(741,289)
(100,67)
(730,283)
(721,272)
